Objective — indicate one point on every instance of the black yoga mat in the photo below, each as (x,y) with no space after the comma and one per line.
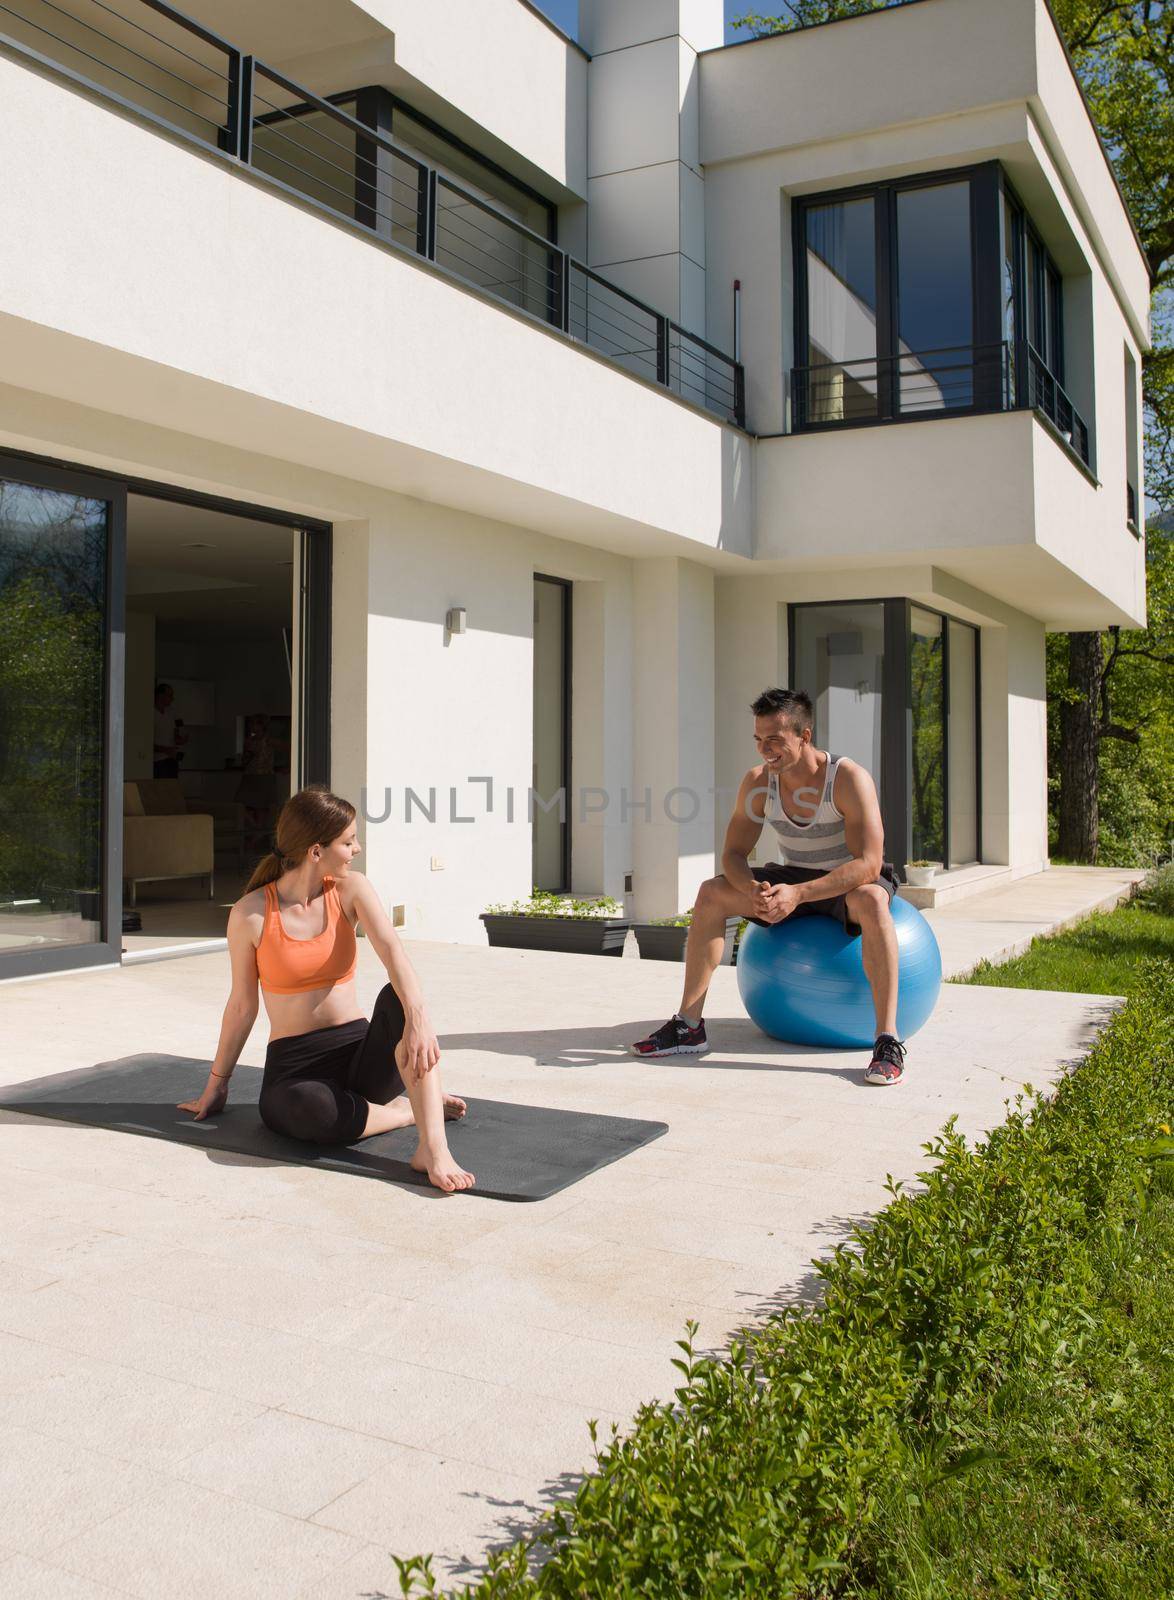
(517,1152)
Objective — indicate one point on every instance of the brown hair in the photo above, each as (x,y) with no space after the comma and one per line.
(794,704)
(312,816)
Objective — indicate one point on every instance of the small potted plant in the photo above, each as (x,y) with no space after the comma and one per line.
(590,925)
(664,938)
(920,874)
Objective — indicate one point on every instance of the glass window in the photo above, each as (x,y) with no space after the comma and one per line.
(52,665)
(1010,264)
(963,743)
(935,298)
(839,656)
(842,310)
(927,756)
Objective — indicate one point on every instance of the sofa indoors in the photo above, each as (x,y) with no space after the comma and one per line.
(161,838)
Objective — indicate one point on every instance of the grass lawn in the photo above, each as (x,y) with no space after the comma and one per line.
(1101,955)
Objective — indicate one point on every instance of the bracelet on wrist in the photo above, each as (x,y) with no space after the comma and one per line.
(224,1075)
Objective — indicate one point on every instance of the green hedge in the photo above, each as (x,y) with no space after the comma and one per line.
(789,1467)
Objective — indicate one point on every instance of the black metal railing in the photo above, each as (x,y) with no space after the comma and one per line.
(161,64)
(958,380)
(1042,392)
(911,384)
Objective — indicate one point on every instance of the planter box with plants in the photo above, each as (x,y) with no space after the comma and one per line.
(920,874)
(664,938)
(548,921)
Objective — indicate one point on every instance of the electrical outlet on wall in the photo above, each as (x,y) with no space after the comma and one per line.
(437,864)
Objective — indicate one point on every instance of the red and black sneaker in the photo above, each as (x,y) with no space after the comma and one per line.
(676,1038)
(888,1061)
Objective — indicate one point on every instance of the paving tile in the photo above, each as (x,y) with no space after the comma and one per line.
(51,1491)
(187,1543)
(422,1503)
(590,1373)
(232,1358)
(22,1578)
(542,1439)
(286,1463)
(136,1416)
(389,1399)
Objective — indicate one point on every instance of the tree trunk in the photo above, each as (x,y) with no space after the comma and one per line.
(1080,749)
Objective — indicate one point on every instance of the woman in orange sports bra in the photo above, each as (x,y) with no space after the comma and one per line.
(331,1077)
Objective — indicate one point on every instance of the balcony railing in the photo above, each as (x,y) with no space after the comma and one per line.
(957,381)
(153,60)
(1042,392)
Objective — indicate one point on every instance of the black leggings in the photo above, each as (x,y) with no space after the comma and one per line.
(318,1086)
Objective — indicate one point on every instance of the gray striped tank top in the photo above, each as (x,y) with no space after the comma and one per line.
(818,844)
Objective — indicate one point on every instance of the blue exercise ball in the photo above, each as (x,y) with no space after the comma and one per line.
(803,979)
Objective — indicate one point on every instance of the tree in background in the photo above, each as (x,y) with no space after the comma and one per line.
(1110,737)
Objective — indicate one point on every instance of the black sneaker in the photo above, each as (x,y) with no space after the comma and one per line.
(888,1061)
(676,1038)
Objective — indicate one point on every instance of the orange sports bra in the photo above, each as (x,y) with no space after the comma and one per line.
(294,966)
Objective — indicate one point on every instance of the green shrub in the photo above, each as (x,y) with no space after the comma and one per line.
(802,1464)
(1157,891)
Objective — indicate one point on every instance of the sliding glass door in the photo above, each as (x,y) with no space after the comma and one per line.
(60,651)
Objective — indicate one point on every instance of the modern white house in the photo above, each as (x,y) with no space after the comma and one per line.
(453,412)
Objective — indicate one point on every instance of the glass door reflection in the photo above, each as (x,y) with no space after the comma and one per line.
(53,628)
(927,799)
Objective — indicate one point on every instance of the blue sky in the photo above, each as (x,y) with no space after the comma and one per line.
(566,14)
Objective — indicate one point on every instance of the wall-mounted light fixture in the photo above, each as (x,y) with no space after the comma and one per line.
(454,621)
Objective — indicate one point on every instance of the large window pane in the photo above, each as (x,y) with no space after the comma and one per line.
(1011,226)
(963,744)
(935,298)
(927,756)
(841,310)
(52,642)
(839,655)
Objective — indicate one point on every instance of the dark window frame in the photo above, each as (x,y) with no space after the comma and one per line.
(893,780)
(568,661)
(1036,281)
(984,179)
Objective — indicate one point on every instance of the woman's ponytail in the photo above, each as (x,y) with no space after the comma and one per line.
(266,871)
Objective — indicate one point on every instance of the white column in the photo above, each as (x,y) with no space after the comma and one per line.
(669,804)
(645,191)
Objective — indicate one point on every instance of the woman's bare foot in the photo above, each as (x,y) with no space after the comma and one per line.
(454,1108)
(442,1170)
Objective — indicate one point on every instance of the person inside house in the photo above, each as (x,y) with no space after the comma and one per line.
(825,812)
(169,733)
(331,1076)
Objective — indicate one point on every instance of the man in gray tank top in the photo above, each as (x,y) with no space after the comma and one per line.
(825,812)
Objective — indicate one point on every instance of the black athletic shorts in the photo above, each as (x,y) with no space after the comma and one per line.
(835,905)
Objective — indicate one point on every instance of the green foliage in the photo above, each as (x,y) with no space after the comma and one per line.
(1136,777)
(973,1336)
(546,903)
(1157,892)
(50,732)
